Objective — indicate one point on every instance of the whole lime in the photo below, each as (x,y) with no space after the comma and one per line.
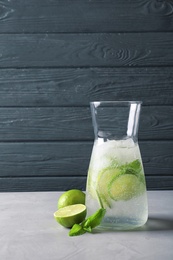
(71,197)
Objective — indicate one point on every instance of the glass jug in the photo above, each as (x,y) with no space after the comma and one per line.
(116,179)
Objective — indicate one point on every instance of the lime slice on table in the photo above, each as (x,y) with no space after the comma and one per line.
(125,187)
(70,215)
(104,179)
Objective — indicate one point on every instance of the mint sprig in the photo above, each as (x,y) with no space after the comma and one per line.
(88,224)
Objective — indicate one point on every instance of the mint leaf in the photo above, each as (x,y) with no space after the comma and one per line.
(88,224)
(76,230)
(88,229)
(133,167)
(95,219)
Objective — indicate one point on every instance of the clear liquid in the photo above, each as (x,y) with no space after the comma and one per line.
(123,211)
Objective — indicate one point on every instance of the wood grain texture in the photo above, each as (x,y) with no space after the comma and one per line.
(86,50)
(58,55)
(70,159)
(75,123)
(42,184)
(77,86)
(85,16)
(27,184)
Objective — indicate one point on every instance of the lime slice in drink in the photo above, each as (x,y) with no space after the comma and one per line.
(104,202)
(70,215)
(103,181)
(125,187)
(91,185)
(71,197)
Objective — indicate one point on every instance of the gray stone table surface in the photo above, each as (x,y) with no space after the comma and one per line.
(29,231)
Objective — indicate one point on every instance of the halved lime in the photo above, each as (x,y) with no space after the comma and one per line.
(125,187)
(70,215)
(71,197)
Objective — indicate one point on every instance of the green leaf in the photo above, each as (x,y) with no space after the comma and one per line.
(77,230)
(88,229)
(95,219)
(133,167)
(88,224)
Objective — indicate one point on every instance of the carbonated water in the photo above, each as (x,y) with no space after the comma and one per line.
(116,182)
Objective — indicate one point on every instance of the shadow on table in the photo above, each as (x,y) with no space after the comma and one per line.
(153,224)
(157,224)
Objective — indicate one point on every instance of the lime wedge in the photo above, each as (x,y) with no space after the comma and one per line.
(125,187)
(70,215)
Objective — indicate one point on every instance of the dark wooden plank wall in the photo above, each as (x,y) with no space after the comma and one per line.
(58,55)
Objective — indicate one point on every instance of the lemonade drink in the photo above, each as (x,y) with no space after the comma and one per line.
(116,182)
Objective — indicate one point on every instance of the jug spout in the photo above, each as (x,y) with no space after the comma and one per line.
(116,119)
